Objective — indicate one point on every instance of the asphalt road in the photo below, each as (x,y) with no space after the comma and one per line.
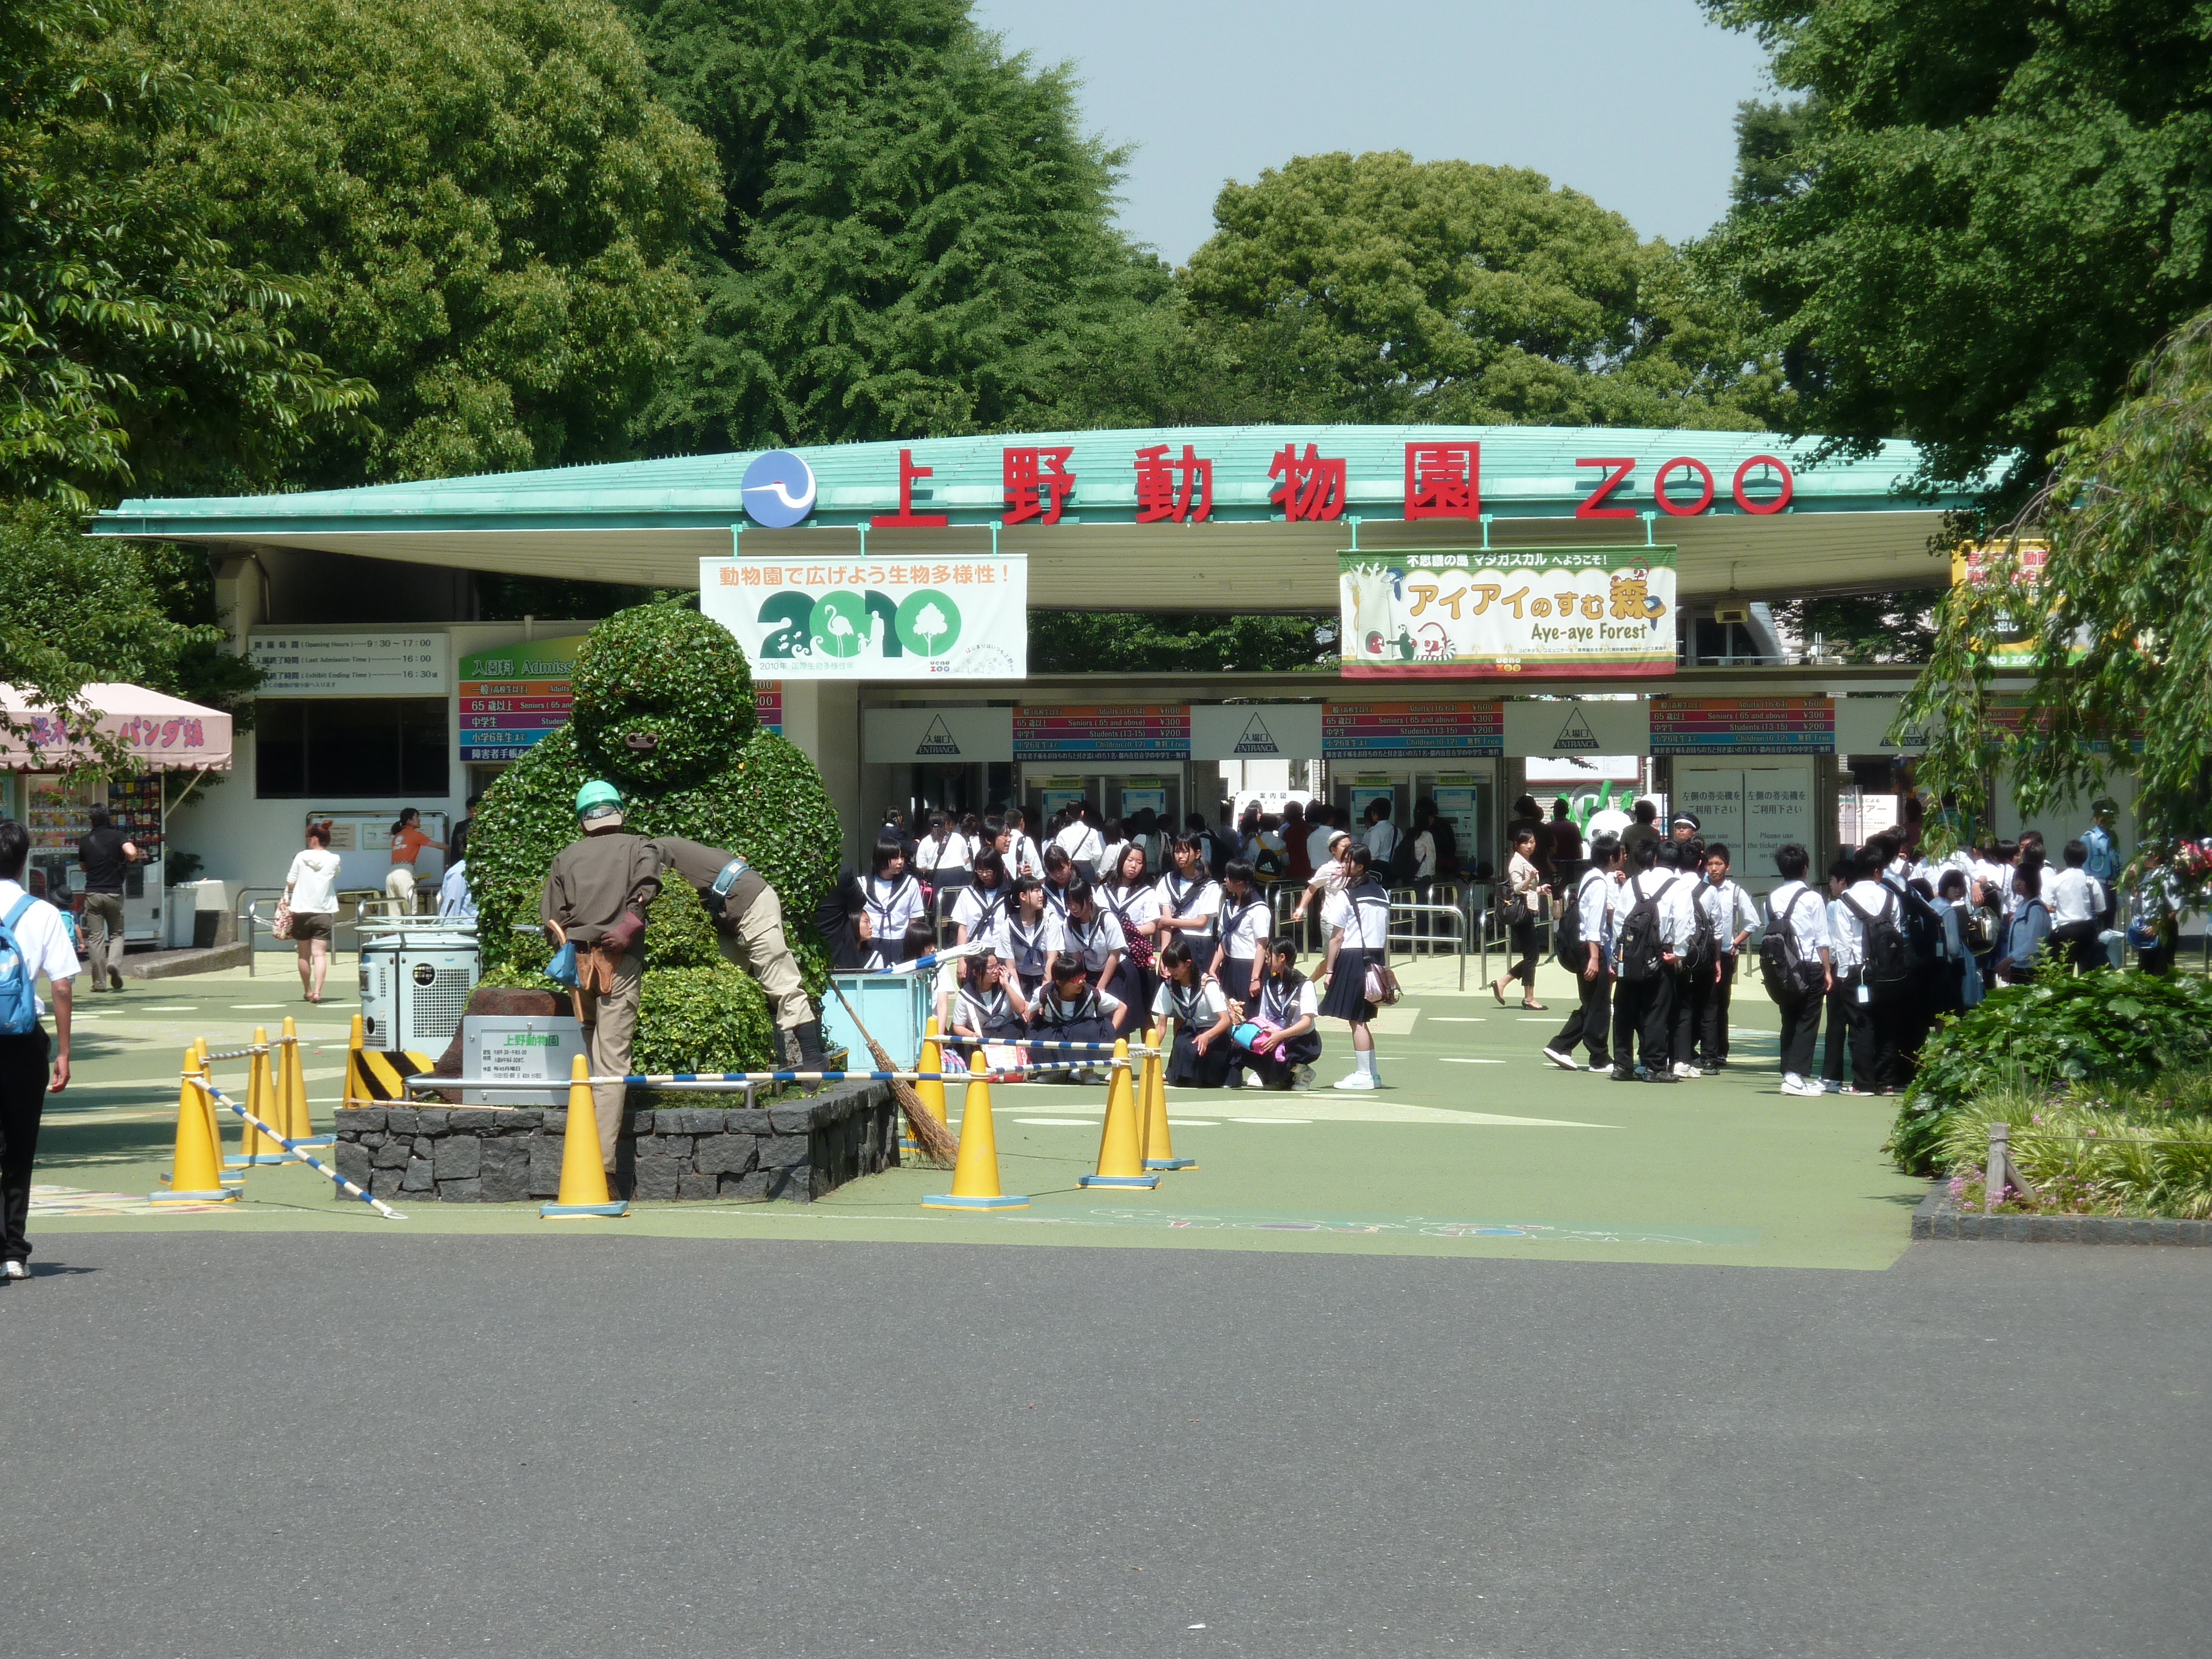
(583,1444)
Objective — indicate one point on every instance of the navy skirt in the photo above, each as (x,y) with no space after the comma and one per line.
(1076,1030)
(1347,988)
(1189,1069)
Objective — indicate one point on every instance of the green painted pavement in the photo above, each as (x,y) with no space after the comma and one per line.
(1476,1147)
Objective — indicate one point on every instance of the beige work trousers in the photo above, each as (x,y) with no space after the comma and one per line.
(760,948)
(609,1024)
(102,922)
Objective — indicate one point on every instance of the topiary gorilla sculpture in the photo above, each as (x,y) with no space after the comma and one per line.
(664,710)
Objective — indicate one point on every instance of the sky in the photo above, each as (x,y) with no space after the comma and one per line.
(1630,101)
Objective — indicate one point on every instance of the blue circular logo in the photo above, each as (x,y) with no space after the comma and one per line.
(779,489)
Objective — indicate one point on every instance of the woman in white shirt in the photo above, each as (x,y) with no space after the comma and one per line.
(311,893)
(1358,918)
(1082,842)
(1189,996)
(1030,935)
(1526,892)
(1091,932)
(892,904)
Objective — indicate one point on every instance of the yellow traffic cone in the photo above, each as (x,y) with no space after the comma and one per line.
(976,1174)
(932,1093)
(1121,1152)
(255,1146)
(196,1171)
(199,1063)
(299,1125)
(1152,1105)
(583,1176)
(356,1083)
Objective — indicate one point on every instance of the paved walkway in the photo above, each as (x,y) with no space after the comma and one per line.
(1476,1147)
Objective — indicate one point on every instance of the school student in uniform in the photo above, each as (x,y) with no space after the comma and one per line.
(1885,1007)
(1193,999)
(1357,918)
(1093,934)
(1589,1024)
(1284,1050)
(1643,1009)
(1958,965)
(2027,931)
(892,905)
(1797,907)
(1730,914)
(1700,951)
(1022,855)
(1029,936)
(1059,871)
(1072,1010)
(1114,837)
(990,1006)
(943,858)
(1847,1026)
(1190,898)
(1080,840)
(977,907)
(1129,895)
(1241,958)
(2076,902)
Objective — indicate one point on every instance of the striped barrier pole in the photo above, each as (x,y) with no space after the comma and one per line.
(292,1148)
(710,1079)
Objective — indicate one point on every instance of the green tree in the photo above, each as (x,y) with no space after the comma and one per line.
(1375,288)
(121,315)
(918,235)
(1978,216)
(1090,641)
(489,211)
(1897,626)
(2122,612)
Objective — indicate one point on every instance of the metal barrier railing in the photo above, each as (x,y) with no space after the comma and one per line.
(1406,937)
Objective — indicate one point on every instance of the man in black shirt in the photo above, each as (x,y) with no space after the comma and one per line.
(105,854)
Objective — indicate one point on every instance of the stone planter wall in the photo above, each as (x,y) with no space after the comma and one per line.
(798,1150)
(1935,1218)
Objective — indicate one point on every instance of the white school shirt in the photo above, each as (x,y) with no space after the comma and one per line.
(1729,907)
(1995,876)
(1594,911)
(1106,858)
(1383,839)
(1030,949)
(1196,1009)
(954,854)
(313,879)
(892,907)
(1201,897)
(1317,845)
(1362,915)
(42,937)
(1245,927)
(1843,943)
(1022,858)
(2072,897)
(1807,923)
(1676,918)
(1870,897)
(1046,1009)
(1081,842)
(1283,1009)
(978,908)
(1096,940)
(1424,856)
(1137,907)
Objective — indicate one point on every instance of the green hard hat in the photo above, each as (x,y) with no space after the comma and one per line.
(597,793)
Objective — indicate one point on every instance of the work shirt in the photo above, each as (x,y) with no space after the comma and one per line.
(702,866)
(2072,896)
(42,937)
(100,853)
(2103,861)
(1807,923)
(592,878)
(407,843)
(1729,909)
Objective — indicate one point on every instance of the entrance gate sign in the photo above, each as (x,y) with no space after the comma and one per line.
(877,619)
(1526,613)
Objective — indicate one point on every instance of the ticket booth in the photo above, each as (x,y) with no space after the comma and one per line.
(1119,790)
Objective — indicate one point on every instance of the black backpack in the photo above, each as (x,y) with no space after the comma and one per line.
(1568,944)
(1704,949)
(1890,960)
(1786,971)
(1398,869)
(1642,950)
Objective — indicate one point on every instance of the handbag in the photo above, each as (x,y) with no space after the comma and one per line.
(1381,988)
(280,924)
(1516,910)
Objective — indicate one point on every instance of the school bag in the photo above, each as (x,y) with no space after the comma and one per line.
(1889,959)
(1787,972)
(1642,949)
(1398,869)
(19,1001)
(1568,944)
(1703,948)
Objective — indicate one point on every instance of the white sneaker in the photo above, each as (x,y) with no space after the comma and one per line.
(1683,1068)
(1302,1077)
(1358,1080)
(1564,1062)
(12,1270)
(1250,1080)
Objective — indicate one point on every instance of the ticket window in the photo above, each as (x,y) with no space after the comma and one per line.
(1117,795)
(1352,795)
(977,786)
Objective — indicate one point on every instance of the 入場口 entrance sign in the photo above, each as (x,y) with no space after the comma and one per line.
(1251,730)
(1525,613)
(873,619)
(941,736)
(1584,728)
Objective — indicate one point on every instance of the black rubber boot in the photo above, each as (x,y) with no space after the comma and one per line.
(812,1056)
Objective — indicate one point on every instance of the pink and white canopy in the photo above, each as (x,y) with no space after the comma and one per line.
(166,734)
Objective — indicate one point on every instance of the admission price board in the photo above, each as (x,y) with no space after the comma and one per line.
(512,696)
(1411,731)
(1742,726)
(1117,731)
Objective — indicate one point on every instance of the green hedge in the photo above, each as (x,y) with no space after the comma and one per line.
(2122,1028)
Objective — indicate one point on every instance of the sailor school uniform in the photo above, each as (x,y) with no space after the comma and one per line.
(1243,937)
(1363,917)
(1196,1009)
(892,905)
(988,1012)
(1182,898)
(1282,1003)
(1136,909)
(1031,946)
(1087,1017)
(1094,940)
(978,908)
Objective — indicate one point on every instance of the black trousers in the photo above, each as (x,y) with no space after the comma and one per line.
(1644,1015)
(2083,948)
(1587,1023)
(1849,1030)
(22,1101)
(1801,1029)
(1709,999)
(1682,1024)
(1523,965)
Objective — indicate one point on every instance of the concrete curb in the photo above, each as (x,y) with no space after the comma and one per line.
(168,964)
(1937,1221)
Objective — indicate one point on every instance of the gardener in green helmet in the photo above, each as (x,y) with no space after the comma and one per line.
(748,919)
(596,895)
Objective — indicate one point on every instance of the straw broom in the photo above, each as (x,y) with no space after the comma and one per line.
(937,1143)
